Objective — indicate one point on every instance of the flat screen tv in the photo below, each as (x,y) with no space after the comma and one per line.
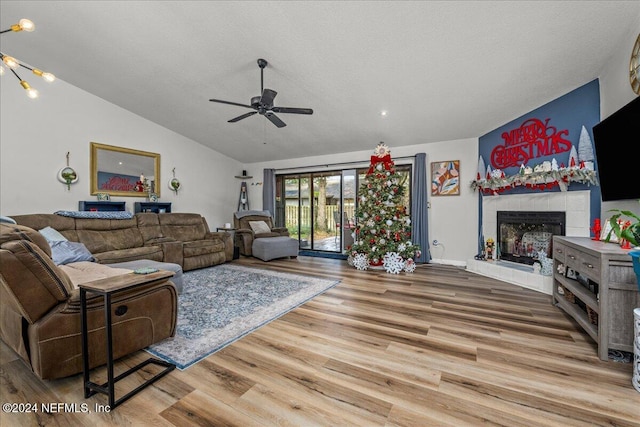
(615,141)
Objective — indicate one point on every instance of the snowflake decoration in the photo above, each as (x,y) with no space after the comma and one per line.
(393,262)
(410,266)
(360,262)
(382,150)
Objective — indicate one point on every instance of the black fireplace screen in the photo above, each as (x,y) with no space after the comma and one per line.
(523,234)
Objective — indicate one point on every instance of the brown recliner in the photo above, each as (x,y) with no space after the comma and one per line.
(40,310)
(244,234)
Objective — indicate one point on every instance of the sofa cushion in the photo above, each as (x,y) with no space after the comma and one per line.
(65,226)
(149,226)
(104,235)
(37,284)
(145,252)
(11,232)
(184,227)
(201,247)
(65,252)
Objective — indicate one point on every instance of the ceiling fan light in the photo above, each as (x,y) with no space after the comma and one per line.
(31,92)
(11,62)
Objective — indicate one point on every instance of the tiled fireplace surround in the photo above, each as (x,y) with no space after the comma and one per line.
(574,203)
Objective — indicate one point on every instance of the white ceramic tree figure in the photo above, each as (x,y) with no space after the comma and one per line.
(585,148)
(573,158)
(481,168)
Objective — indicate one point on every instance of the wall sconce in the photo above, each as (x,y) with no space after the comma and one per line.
(13,64)
(68,175)
(174,183)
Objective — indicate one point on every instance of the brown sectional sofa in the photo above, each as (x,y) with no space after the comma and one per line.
(179,238)
(40,305)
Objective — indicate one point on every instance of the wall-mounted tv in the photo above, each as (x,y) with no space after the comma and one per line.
(615,140)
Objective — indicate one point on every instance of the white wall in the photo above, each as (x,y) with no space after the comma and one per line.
(35,136)
(453,220)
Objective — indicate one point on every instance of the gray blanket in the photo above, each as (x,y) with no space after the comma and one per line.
(242,214)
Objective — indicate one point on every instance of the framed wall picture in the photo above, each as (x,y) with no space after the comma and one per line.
(103,196)
(445,178)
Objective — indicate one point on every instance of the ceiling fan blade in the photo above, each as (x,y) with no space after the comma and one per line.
(291,110)
(230,103)
(244,116)
(275,119)
(267,98)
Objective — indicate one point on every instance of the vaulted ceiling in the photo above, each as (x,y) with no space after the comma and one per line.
(441,70)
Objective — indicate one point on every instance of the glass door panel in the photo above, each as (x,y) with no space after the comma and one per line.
(327,189)
(291,206)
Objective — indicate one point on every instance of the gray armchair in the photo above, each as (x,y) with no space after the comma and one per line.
(245,234)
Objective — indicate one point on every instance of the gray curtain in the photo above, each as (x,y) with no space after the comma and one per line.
(269,191)
(420,230)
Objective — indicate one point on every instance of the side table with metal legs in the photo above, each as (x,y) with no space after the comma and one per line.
(106,288)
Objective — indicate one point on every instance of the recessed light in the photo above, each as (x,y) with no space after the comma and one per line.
(383,113)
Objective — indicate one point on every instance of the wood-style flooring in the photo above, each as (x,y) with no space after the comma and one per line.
(439,347)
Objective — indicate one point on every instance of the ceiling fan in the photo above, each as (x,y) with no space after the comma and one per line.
(263,105)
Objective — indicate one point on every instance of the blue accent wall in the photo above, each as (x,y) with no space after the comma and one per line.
(566,116)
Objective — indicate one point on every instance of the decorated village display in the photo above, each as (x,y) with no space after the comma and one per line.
(382,238)
(543,176)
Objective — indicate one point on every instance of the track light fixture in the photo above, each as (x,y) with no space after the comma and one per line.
(13,64)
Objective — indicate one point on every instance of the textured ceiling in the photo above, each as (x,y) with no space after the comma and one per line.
(442,70)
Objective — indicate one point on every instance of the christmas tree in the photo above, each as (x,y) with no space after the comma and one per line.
(383,232)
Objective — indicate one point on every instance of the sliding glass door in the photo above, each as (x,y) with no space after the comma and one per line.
(319,208)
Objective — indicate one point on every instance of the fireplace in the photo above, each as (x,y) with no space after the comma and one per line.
(523,234)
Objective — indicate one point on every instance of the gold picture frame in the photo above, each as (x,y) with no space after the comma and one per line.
(118,171)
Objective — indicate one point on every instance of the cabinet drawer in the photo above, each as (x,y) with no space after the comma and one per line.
(559,252)
(572,257)
(589,266)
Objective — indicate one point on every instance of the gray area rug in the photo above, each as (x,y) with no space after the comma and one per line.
(221,304)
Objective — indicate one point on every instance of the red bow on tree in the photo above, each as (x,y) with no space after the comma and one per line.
(385,160)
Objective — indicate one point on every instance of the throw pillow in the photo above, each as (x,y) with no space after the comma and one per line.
(259,227)
(52,235)
(65,252)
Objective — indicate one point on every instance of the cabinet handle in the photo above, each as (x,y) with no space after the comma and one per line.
(572,257)
(588,265)
(560,251)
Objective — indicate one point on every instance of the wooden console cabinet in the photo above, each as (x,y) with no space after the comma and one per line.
(599,290)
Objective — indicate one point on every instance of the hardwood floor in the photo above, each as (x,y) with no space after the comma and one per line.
(440,347)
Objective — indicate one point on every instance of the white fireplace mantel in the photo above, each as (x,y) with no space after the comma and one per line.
(576,205)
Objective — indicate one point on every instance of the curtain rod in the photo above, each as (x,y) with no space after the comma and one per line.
(326,165)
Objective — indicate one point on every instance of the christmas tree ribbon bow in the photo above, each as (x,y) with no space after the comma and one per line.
(385,160)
